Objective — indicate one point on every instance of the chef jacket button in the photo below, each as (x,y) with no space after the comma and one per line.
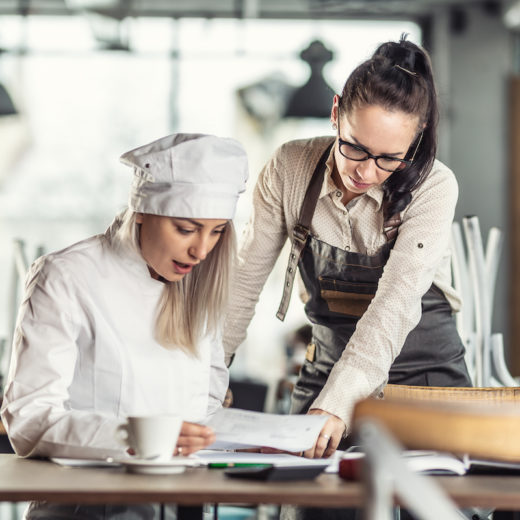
(420,245)
(290,269)
(338,193)
(147,165)
(288,284)
(293,256)
(347,248)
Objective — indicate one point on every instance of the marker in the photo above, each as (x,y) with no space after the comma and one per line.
(238,465)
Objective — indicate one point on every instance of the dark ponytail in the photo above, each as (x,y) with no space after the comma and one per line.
(399,76)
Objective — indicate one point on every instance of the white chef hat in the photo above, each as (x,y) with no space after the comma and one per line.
(188,175)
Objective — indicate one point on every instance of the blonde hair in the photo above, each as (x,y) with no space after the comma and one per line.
(194,306)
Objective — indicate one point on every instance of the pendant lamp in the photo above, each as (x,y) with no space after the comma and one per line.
(314,99)
(6,104)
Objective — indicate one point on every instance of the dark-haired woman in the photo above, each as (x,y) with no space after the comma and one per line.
(369,214)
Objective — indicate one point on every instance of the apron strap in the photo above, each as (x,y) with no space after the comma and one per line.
(302,229)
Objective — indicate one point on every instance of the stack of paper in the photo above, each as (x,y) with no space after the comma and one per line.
(235,429)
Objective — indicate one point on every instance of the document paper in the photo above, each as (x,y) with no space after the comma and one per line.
(235,429)
(237,458)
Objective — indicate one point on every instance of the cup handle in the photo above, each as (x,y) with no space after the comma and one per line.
(122,434)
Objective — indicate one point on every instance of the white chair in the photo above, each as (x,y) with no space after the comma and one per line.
(19,271)
(18,274)
(474,275)
(387,474)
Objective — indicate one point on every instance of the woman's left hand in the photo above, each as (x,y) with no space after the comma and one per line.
(329,437)
(193,437)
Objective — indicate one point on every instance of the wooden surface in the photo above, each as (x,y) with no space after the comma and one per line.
(480,429)
(438,393)
(23,480)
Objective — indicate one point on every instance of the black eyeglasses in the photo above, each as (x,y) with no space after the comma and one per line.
(355,152)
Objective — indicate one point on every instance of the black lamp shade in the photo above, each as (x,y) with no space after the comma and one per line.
(314,99)
(6,104)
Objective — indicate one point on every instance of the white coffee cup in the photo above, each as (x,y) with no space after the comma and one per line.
(152,437)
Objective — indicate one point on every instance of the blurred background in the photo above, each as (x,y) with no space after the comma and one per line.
(82,81)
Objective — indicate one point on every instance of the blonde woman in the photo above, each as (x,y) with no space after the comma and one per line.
(127,322)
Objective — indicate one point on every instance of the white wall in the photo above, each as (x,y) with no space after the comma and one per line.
(473,93)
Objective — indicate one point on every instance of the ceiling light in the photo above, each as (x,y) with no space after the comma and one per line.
(7,107)
(314,99)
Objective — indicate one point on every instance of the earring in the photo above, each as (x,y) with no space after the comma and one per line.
(334,126)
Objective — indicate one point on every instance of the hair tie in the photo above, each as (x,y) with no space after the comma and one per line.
(406,70)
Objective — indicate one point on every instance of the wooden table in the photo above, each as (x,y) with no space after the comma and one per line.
(24,480)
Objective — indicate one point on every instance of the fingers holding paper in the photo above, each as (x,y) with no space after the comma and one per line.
(193,437)
(329,437)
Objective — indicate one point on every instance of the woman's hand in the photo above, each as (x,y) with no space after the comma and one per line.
(193,437)
(329,437)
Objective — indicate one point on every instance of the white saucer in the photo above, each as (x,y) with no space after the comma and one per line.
(159,467)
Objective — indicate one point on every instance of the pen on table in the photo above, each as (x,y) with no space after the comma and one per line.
(238,465)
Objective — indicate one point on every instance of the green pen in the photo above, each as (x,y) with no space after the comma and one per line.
(238,465)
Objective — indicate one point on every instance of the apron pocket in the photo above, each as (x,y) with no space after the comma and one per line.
(351,299)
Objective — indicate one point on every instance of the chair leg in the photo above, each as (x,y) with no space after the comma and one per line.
(189,512)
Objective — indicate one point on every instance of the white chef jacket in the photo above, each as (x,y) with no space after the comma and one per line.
(85,356)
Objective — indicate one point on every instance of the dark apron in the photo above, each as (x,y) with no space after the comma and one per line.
(340,286)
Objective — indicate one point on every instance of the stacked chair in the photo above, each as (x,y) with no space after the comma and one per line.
(475,271)
(20,266)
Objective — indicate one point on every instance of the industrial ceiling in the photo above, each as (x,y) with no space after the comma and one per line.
(293,9)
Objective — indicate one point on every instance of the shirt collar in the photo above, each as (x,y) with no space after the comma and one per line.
(328,185)
(377,194)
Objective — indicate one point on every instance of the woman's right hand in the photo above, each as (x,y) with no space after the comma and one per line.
(193,437)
